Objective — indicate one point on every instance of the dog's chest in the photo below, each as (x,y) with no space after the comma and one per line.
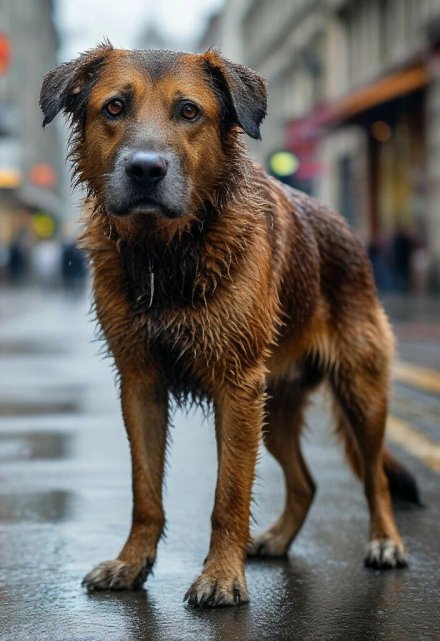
(173,342)
(170,295)
(159,279)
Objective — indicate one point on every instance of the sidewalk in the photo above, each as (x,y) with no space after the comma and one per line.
(416,322)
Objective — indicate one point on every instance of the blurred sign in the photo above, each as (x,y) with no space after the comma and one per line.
(44,224)
(10,174)
(302,135)
(9,178)
(5,53)
(43,175)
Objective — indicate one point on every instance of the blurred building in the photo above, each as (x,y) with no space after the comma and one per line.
(354,93)
(32,170)
(153,37)
(213,34)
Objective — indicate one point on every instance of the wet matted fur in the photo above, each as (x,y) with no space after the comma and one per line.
(214,282)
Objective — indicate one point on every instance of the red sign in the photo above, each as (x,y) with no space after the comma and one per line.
(5,53)
(43,175)
(302,137)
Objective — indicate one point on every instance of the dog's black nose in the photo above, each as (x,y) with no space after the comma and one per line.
(146,168)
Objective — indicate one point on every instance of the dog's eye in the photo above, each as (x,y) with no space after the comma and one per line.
(189,111)
(114,108)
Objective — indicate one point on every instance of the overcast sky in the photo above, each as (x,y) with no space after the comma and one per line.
(84,23)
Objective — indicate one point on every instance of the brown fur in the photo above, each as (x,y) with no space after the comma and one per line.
(248,301)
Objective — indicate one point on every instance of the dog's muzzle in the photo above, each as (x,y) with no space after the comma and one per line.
(146,168)
(146,180)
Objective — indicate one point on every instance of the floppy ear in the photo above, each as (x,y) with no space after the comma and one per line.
(68,86)
(242,92)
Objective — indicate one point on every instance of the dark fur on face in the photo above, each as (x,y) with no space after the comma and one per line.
(213,281)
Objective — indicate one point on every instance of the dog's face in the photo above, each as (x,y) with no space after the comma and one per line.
(151,127)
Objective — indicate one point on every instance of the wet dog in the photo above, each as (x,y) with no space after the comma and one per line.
(215,283)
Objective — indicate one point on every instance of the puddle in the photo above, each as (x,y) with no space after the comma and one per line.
(15,408)
(29,446)
(36,507)
(22,348)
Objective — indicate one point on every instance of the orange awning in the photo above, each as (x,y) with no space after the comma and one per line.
(393,86)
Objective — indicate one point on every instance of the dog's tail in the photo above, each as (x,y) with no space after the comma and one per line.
(402,483)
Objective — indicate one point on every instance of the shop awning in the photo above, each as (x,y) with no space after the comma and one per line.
(383,90)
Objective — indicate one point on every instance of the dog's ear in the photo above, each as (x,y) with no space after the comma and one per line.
(68,86)
(241,91)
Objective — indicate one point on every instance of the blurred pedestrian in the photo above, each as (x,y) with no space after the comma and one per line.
(402,249)
(73,267)
(376,256)
(46,262)
(18,258)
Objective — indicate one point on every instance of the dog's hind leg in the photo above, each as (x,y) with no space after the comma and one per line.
(285,409)
(359,381)
(145,410)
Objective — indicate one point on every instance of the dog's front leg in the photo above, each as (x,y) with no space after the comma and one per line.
(239,416)
(145,411)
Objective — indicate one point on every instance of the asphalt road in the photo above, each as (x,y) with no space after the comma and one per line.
(65,505)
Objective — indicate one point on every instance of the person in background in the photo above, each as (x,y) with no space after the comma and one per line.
(18,265)
(45,260)
(73,267)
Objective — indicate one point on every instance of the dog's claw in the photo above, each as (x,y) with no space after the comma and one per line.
(384,554)
(117,575)
(214,592)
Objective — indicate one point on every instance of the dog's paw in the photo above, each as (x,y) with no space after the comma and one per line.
(268,545)
(117,575)
(384,554)
(210,591)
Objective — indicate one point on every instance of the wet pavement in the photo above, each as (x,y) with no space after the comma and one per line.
(65,505)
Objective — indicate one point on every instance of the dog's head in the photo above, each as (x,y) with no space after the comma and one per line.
(152,130)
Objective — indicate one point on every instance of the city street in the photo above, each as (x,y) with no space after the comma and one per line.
(65,502)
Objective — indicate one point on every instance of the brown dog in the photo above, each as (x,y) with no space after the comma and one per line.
(214,282)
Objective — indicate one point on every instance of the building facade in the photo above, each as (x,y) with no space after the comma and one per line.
(33,176)
(354,93)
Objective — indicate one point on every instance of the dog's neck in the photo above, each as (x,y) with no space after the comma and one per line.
(162,273)
(180,268)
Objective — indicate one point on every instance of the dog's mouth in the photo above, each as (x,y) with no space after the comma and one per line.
(145,205)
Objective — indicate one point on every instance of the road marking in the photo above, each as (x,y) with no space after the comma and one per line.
(423,447)
(421,377)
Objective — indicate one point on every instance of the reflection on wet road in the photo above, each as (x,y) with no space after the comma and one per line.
(65,505)
(34,506)
(33,445)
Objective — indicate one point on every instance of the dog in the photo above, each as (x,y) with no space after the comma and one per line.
(214,283)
